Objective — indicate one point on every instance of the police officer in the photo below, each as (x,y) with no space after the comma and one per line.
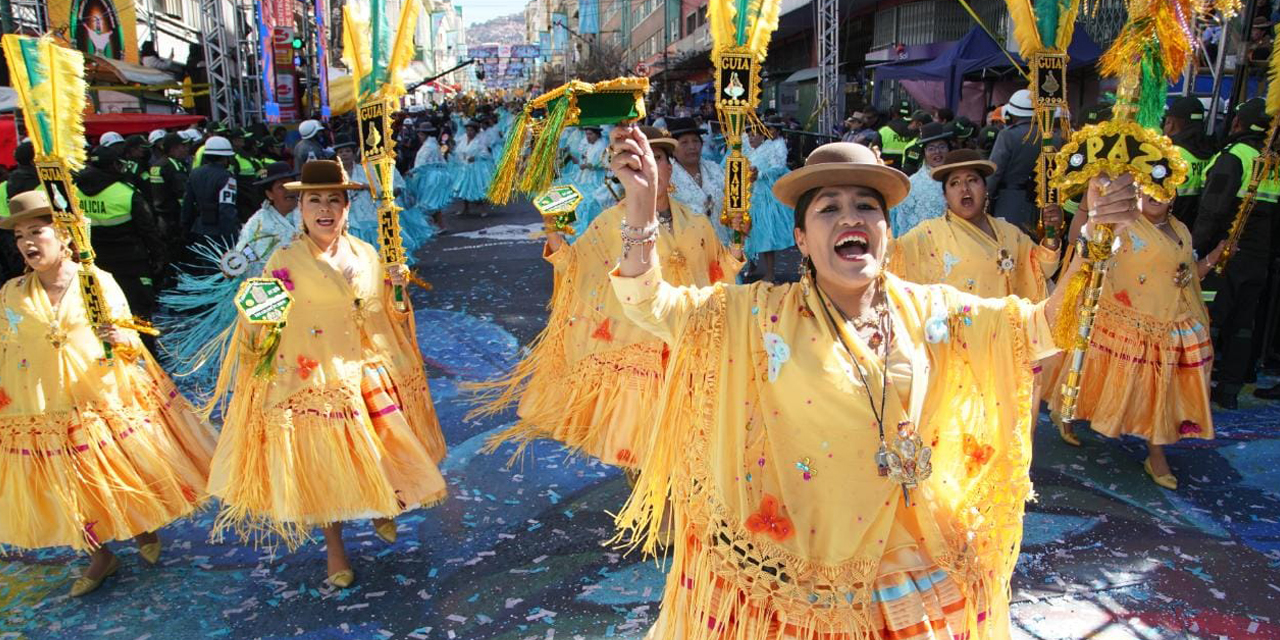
(310,146)
(913,157)
(209,206)
(1184,124)
(896,135)
(1242,287)
(168,177)
(122,230)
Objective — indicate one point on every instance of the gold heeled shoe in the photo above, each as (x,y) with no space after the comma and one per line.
(343,579)
(84,585)
(1068,436)
(150,552)
(386,531)
(1168,481)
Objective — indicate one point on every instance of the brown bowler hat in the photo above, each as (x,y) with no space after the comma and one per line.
(962,159)
(842,164)
(25,206)
(318,175)
(659,139)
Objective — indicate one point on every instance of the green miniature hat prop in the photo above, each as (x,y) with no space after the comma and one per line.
(576,103)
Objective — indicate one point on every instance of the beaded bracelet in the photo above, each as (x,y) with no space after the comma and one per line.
(637,237)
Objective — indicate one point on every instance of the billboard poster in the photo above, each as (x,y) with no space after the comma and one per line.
(105,28)
(525,51)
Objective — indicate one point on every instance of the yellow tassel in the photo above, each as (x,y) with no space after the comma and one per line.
(1067,325)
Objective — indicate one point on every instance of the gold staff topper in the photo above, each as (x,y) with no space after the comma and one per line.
(1120,146)
(558,206)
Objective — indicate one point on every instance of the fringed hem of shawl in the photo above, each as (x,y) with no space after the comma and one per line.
(315,459)
(598,410)
(1145,378)
(102,472)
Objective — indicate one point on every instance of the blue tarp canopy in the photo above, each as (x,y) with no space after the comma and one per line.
(977,51)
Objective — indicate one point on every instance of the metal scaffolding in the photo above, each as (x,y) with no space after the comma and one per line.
(828,31)
(230,55)
(27,16)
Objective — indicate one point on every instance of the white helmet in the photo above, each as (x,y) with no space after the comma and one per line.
(309,128)
(218,146)
(109,138)
(190,135)
(156,136)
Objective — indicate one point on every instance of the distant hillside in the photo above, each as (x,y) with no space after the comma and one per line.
(504,30)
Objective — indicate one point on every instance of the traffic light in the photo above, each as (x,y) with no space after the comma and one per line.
(296,43)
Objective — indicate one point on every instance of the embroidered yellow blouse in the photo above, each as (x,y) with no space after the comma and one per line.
(767,442)
(344,428)
(91,450)
(952,250)
(591,377)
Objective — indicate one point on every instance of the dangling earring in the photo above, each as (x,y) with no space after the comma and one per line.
(806,275)
(986,207)
(671,188)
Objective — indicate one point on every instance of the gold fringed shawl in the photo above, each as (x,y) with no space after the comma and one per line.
(306,446)
(591,376)
(953,251)
(767,456)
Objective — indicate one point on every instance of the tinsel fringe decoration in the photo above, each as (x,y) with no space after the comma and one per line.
(504,181)
(540,166)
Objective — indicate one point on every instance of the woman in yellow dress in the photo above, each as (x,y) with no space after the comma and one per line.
(591,379)
(810,498)
(92,450)
(335,421)
(968,248)
(1146,372)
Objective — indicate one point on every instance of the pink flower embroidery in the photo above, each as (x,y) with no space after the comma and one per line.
(1188,427)
(283,276)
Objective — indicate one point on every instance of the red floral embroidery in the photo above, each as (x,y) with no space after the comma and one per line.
(769,521)
(283,276)
(715,272)
(1186,428)
(976,455)
(4,399)
(1123,298)
(189,494)
(306,366)
(602,332)
(625,456)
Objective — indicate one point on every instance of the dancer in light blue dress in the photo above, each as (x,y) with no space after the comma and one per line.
(474,167)
(415,227)
(430,180)
(593,170)
(771,221)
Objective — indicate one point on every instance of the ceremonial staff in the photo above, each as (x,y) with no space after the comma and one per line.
(1151,51)
(1043,30)
(49,81)
(740,33)
(1266,166)
(376,60)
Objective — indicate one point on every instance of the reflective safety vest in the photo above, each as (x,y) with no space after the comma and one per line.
(110,207)
(1195,173)
(1268,189)
(892,144)
(4,199)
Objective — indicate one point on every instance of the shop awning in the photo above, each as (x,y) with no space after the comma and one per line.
(98,69)
(803,75)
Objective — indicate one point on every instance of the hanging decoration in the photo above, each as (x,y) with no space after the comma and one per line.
(49,81)
(1151,51)
(528,162)
(1266,165)
(1043,30)
(740,33)
(376,55)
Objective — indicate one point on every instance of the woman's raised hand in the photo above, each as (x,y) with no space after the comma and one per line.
(631,160)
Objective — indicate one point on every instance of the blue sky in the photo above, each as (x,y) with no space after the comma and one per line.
(481,10)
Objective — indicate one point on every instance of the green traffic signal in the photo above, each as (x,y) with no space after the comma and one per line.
(296,43)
